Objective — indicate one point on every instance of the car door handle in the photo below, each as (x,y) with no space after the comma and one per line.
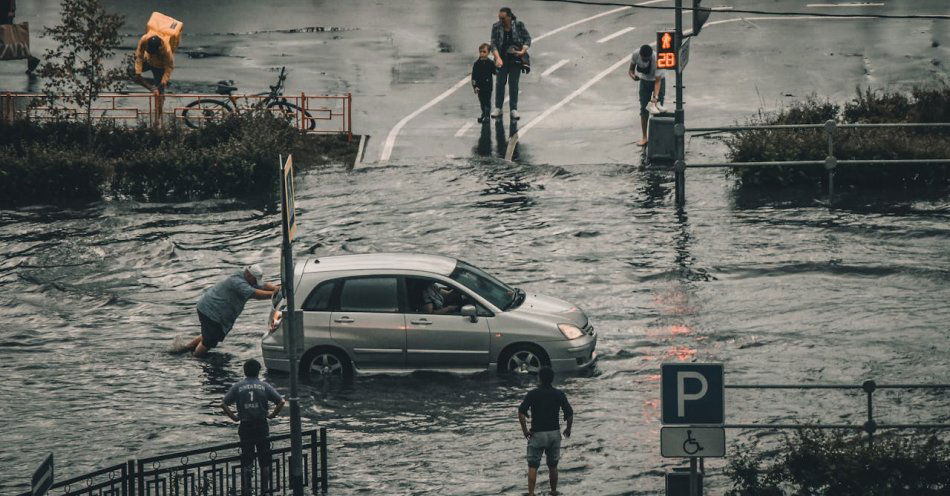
(344,320)
(420,322)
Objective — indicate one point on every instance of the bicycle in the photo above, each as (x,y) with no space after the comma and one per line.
(202,110)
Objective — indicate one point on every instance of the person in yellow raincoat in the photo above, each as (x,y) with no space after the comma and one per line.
(154,54)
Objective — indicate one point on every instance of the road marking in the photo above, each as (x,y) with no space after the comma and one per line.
(555,67)
(618,33)
(513,140)
(724,7)
(394,132)
(862,4)
(461,132)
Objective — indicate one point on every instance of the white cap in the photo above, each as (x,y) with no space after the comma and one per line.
(256,271)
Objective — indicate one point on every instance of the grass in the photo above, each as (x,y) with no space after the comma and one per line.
(922,104)
(52,162)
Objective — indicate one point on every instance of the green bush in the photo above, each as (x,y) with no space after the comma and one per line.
(51,162)
(922,105)
(819,463)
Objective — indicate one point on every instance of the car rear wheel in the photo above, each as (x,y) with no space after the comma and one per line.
(523,360)
(326,365)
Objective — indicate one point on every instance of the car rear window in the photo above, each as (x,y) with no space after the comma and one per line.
(370,294)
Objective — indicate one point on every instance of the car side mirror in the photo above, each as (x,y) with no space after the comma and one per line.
(471,312)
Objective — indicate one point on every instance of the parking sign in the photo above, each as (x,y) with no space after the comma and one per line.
(692,393)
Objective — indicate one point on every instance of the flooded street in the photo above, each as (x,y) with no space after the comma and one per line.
(781,290)
(94,297)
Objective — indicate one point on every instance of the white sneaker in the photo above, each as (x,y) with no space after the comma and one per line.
(515,115)
(496,113)
(660,108)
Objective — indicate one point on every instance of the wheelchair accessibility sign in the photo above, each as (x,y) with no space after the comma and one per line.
(686,442)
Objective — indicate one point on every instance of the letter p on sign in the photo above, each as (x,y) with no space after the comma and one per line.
(692,393)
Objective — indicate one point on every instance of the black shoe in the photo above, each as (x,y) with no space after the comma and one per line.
(481,119)
(31,64)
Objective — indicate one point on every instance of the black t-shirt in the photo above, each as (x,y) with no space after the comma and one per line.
(482,72)
(544,403)
(507,43)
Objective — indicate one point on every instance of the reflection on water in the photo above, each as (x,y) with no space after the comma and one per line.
(93,298)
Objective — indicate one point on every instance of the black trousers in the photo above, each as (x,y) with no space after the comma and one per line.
(255,445)
(484,99)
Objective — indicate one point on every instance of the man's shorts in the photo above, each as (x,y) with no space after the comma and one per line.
(157,74)
(544,442)
(211,332)
(646,93)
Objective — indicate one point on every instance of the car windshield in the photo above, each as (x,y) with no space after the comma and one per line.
(498,293)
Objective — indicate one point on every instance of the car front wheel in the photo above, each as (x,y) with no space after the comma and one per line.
(523,359)
(326,365)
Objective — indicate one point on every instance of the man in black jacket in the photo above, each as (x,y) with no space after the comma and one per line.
(544,436)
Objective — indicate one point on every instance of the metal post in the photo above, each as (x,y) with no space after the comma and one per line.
(296,449)
(679,128)
(324,477)
(349,117)
(870,426)
(693,482)
(830,161)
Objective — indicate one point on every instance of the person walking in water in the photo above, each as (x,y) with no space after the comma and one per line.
(220,305)
(510,41)
(7,14)
(482,71)
(253,397)
(652,84)
(544,437)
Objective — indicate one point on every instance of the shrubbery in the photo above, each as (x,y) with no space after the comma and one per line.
(922,105)
(819,463)
(237,156)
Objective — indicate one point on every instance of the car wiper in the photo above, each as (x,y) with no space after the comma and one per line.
(518,299)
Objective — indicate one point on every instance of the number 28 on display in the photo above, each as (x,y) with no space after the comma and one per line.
(665,51)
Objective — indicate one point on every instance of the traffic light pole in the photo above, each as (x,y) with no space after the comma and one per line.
(679,126)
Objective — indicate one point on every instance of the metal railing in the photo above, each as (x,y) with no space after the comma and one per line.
(318,114)
(210,471)
(870,426)
(830,163)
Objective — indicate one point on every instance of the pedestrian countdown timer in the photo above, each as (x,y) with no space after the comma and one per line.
(666,57)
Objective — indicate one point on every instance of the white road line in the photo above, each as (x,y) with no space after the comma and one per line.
(394,132)
(555,67)
(461,132)
(513,140)
(618,33)
(724,7)
(862,4)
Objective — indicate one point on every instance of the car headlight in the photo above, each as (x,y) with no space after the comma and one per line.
(570,331)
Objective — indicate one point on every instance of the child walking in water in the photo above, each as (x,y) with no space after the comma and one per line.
(482,72)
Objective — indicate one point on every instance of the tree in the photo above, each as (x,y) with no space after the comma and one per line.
(87,36)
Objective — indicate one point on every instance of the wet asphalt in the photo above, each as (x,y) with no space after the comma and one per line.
(793,292)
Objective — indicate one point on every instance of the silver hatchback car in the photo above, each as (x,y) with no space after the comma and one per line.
(376,311)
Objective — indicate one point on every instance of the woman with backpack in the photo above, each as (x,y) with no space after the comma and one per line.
(509,41)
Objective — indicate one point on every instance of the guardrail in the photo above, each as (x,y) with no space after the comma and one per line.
(318,114)
(830,162)
(870,426)
(210,471)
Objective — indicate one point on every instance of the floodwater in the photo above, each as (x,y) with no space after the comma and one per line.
(780,290)
(791,292)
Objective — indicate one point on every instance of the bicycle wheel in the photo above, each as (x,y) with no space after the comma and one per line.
(199,112)
(292,112)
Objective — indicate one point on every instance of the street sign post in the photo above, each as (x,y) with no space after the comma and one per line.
(43,477)
(686,442)
(692,393)
(288,230)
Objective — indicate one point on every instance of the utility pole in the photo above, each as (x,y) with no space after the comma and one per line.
(289,224)
(679,126)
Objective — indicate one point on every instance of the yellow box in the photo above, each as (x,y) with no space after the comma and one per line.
(166,27)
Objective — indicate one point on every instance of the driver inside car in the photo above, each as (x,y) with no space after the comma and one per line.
(433,300)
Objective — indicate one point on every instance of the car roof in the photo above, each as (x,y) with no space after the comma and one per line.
(436,264)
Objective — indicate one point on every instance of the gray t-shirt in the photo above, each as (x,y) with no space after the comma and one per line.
(224,301)
(646,72)
(252,397)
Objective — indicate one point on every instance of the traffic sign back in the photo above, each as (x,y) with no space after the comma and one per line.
(692,393)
